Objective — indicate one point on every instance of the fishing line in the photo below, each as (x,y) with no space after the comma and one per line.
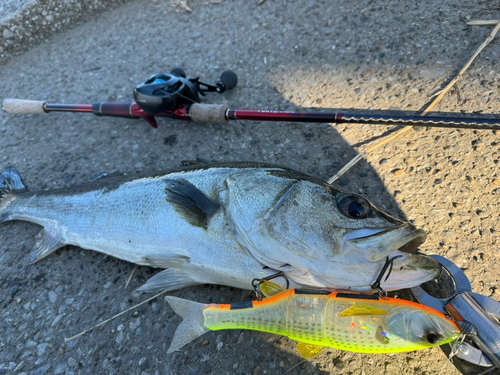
(454,349)
(116,316)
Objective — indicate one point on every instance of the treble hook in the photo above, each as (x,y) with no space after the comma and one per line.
(256,283)
(376,285)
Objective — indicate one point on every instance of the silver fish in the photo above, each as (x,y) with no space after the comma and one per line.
(226,224)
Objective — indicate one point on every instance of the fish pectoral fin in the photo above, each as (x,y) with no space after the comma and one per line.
(170,279)
(46,243)
(164,260)
(270,289)
(190,203)
(308,351)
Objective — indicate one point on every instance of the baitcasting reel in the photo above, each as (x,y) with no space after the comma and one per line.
(166,92)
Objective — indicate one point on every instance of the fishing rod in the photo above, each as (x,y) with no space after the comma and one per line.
(175,96)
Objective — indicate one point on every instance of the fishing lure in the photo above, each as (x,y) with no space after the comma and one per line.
(350,322)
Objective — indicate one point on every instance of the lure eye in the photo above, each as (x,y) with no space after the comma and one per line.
(353,206)
(432,338)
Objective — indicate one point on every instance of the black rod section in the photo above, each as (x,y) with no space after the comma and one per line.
(372,119)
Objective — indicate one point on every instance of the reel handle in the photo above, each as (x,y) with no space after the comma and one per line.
(23,107)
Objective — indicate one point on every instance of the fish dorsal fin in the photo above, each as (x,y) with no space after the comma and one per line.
(270,289)
(190,203)
(362,310)
(308,351)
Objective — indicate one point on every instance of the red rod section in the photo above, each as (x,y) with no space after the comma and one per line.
(68,107)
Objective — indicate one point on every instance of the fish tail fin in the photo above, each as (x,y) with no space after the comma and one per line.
(191,326)
(10,182)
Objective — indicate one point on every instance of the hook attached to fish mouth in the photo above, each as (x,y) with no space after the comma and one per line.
(388,264)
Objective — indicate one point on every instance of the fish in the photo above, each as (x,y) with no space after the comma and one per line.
(317,321)
(226,224)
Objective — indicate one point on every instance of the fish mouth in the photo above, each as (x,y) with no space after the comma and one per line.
(418,237)
(377,244)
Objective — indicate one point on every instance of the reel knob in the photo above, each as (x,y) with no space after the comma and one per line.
(228,80)
(178,72)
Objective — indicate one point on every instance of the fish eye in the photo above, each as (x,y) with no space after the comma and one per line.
(354,206)
(432,338)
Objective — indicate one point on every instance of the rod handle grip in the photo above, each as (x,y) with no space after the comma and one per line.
(209,113)
(22,107)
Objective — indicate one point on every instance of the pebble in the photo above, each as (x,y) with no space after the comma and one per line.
(398,172)
(30,344)
(52,296)
(338,363)
(40,349)
(42,370)
(60,369)
(119,337)
(219,345)
(240,339)
(7,34)
(481,213)
(56,320)
(61,351)
(344,182)
(142,361)
(235,366)
(14,290)
(19,300)
(205,342)
(495,182)
(194,369)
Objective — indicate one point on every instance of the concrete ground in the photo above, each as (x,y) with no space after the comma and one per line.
(385,54)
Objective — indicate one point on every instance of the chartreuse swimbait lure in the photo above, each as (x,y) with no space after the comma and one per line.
(350,322)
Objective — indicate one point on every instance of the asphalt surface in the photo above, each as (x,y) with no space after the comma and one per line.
(26,23)
(288,55)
